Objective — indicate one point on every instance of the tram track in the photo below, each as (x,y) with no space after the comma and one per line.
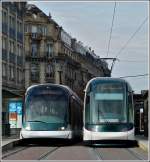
(29,153)
(118,154)
(13,152)
(135,154)
(73,152)
(44,155)
(98,154)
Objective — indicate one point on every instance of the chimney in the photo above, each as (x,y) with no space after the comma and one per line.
(49,15)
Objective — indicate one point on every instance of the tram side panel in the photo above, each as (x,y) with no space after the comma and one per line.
(76,118)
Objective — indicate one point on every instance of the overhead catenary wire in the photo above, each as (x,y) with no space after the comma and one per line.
(112,24)
(125,45)
(132,36)
(136,61)
(133,76)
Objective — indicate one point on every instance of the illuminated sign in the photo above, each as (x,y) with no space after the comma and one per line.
(15,113)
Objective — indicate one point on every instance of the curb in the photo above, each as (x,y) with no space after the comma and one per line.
(143,146)
(10,145)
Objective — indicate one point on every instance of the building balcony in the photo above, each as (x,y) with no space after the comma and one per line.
(12,58)
(4,28)
(12,33)
(4,54)
(49,55)
(49,78)
(35,78)
(36,57)
(36,36)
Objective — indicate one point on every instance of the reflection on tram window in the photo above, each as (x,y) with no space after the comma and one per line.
(47,108)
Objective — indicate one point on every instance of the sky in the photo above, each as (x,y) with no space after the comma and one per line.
(90,23)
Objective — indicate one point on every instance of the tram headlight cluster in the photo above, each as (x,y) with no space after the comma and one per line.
(62,128)
(28,128)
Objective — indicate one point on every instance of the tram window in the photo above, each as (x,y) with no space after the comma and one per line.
(47,108)
(73,113)
(130,107)
(106,103)
(87,112)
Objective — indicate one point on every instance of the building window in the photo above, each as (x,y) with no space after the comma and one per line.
(18,26)
(34,47)
(34,72)
(49,50)
(21,28)
(11,46)
(41,29)
(4,17)
(13,22)
(4,70)
(34,29)
(4,46)
(19,75)
(11,72)
(19,50)
(28,28)
(45,30)
(49,71)
(25,28)
(10,21)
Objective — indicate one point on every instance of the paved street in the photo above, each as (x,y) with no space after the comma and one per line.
(74,152)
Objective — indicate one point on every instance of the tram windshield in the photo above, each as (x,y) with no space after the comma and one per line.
(46,106)
(105,103)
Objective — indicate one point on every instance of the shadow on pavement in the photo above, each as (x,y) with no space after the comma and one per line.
(112,143)
(48,142)
(67,142)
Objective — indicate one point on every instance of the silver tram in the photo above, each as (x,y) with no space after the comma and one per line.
(108,110)
(51,111)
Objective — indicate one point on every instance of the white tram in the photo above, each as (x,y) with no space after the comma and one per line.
(51,111)
(108,110)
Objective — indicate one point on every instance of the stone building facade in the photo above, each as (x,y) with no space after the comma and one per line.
(12,55)
(141,113)
(53,56)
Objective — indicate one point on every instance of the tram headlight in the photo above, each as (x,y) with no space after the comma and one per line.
(62,128)
(28,128)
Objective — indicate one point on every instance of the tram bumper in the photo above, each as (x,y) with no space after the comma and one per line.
(94,136)
(46,134)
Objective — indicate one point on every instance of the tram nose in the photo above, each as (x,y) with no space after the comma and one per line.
(109,136)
